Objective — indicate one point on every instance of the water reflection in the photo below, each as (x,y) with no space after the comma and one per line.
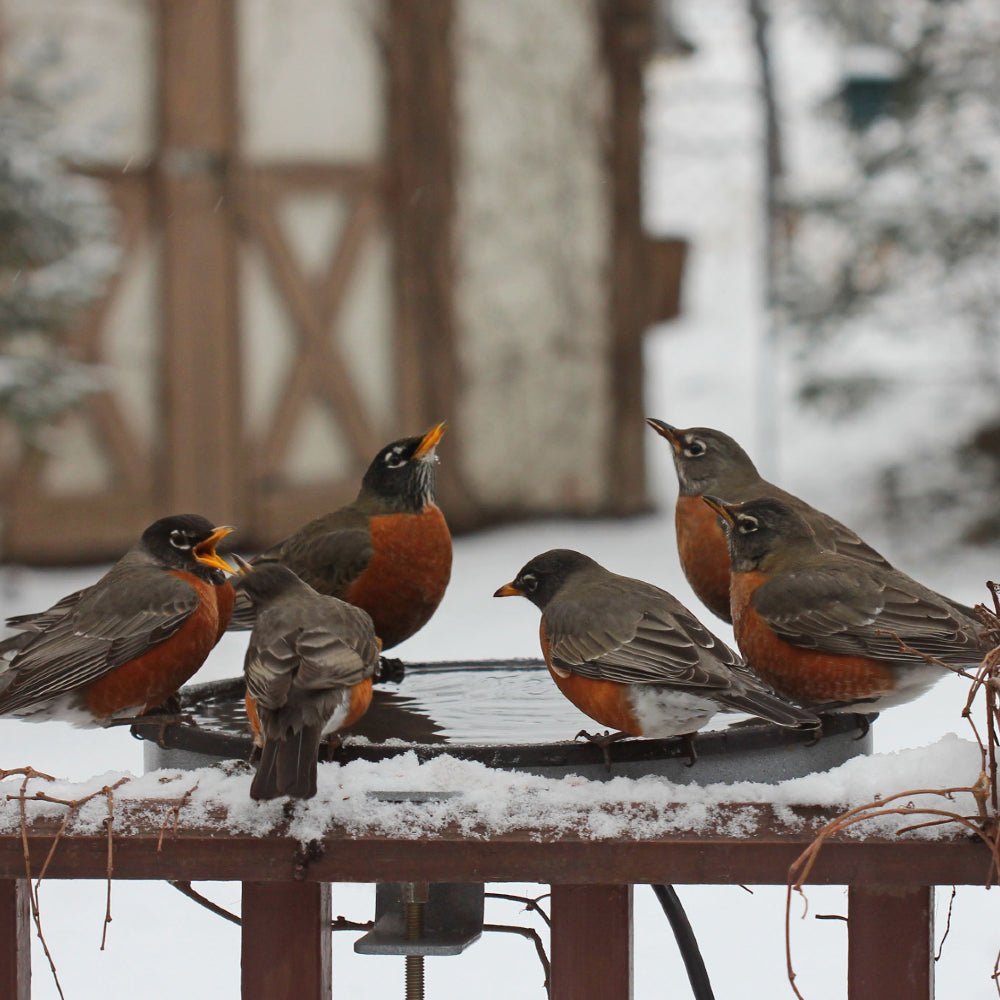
(440,703)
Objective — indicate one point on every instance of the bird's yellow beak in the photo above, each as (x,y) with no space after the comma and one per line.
(205,553)
(666,431)
(430,441)
(723,509)
(509,590)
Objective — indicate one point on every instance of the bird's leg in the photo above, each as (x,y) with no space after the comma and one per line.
(169,706)
(329,748)
(604,741)
(688,741)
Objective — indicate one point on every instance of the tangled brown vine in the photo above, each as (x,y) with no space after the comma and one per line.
(984,824)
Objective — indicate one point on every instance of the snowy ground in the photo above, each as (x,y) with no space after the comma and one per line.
(704,369)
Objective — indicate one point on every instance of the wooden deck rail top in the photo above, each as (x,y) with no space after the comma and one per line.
(153,849)
(286,949)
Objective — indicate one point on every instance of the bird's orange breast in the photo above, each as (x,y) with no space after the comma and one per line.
(409,571)
(704,553)
(225,600)
(606,702)
(250,702)
(149,679)
(361,698)
(804,675)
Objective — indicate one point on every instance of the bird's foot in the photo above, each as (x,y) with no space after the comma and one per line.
(688,741)
(389,670)
(864,723)
(817,733)
(231,767)
(163,716)
(604,741)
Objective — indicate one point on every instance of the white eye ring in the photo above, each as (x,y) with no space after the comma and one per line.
(179,540)
(394,459)
(695,448)
(746,525)
(529,582)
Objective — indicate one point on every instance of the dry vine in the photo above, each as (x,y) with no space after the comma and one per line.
(985,824)
(73,806)
(175,811)
(341,923)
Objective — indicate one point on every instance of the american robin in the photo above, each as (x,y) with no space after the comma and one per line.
(122,646)
(388,552)
(309,668)
(632,657)
(708,461)
(825,629)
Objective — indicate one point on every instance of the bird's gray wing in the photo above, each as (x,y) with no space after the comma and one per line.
(867,613)
(640,635)
(129,611)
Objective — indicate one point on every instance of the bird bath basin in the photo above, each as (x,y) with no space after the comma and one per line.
(508,715)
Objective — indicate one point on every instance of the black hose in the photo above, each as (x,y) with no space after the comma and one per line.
(687,943)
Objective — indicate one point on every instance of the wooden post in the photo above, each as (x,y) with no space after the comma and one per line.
(199,335)
(591,942)
(420,161)
(627,28)
(15,940)
(890,950)
(286,940)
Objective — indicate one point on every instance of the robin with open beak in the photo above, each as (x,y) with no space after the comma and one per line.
(121,647)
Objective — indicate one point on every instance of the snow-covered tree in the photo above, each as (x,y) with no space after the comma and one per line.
(891,282)
(56,252)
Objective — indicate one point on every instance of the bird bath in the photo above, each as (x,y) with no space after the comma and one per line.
(508,715)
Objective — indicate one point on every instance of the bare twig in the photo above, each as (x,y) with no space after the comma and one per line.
(985,824)
(175,811)
(109,822)
(530,902)
(28,773)
(73,807)
(947,926)
(343,924)
(185,887)
(531,934)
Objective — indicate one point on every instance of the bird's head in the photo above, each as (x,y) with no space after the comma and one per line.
(706,460)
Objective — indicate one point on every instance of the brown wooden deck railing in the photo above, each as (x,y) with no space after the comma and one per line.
(286,897)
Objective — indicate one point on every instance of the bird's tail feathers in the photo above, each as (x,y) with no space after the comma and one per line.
(288,766)
(772,707)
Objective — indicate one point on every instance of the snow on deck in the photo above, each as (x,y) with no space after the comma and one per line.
(482,802)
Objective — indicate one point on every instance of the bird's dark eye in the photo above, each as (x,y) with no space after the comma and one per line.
(695,448)
(746,525)
(528,583)
(394,459)
(179,540)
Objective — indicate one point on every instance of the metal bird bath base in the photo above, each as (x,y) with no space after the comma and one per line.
(508,715)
